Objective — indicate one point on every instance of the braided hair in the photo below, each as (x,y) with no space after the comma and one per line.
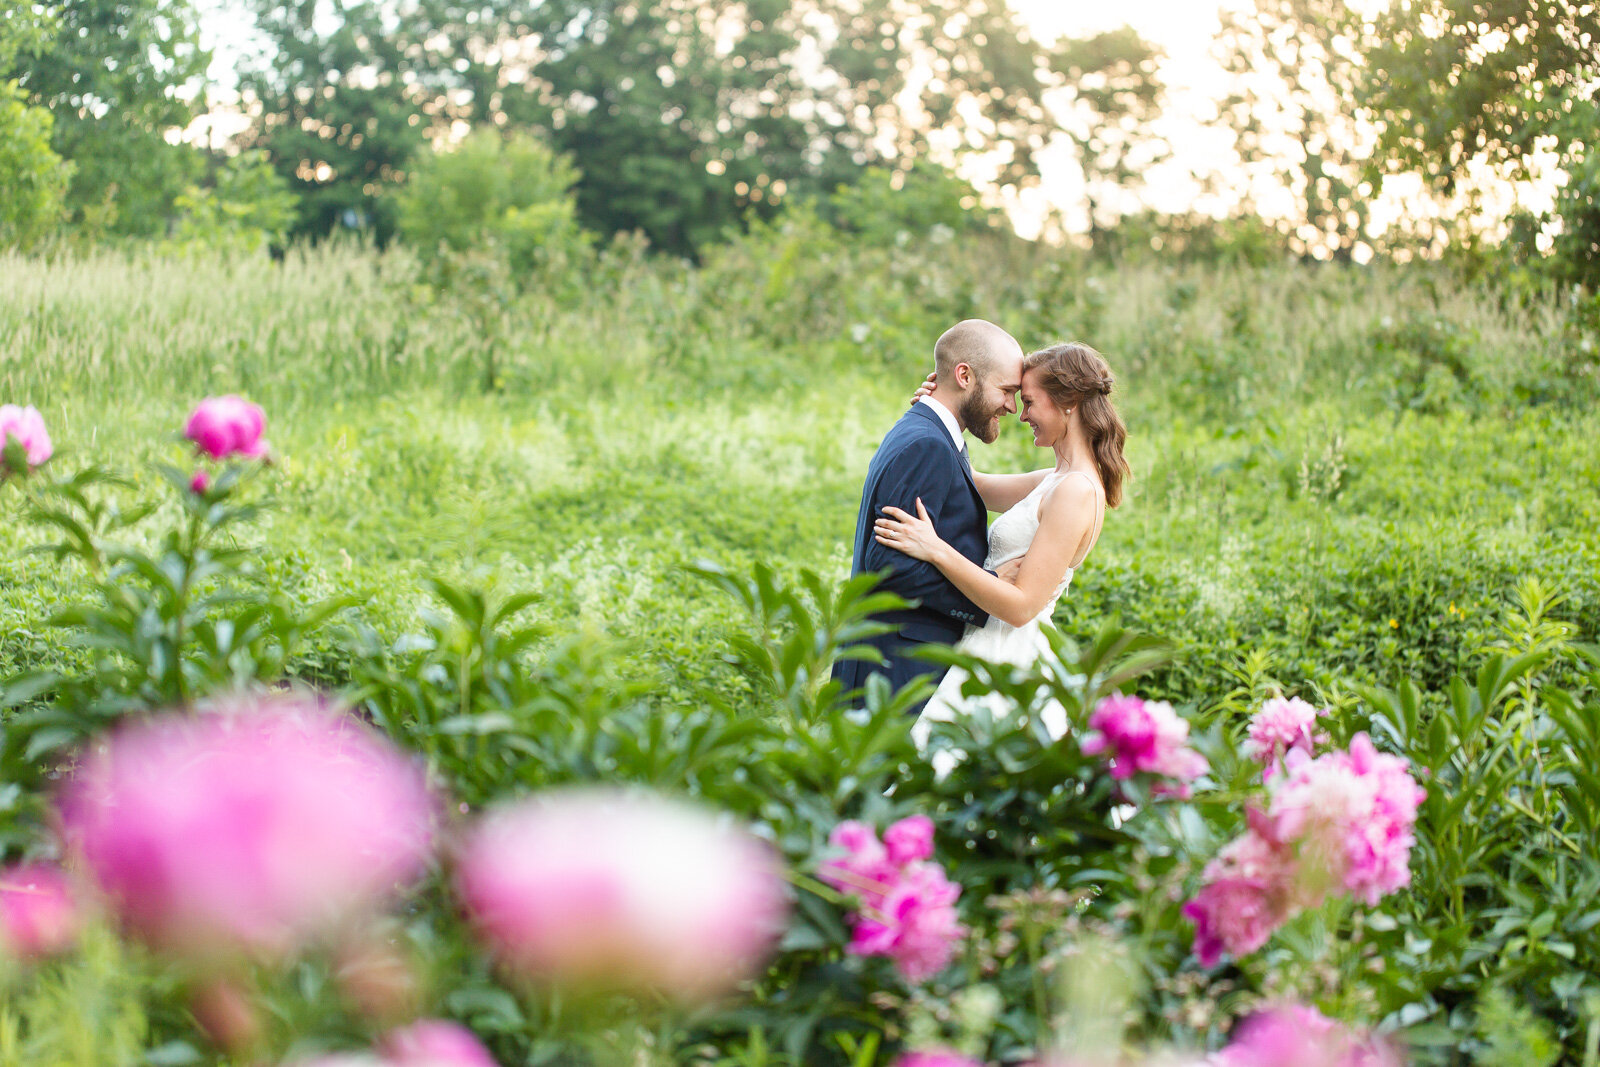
(1076,376)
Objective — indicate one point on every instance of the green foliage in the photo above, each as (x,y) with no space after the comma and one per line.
(247,205)
(508,196)
(117,75)
(84,1011)
(883,207)
(33,176)
(510,581)
(338,115)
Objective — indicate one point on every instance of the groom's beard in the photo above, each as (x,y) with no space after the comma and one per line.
(980,419)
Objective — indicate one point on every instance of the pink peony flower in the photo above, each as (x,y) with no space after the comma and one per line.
(936,1057)
(1248,892)
(613,890)
(1353,813)
(1301,1035)
(906,905)
(224,426)
(26,425)
(38,916)
(914,924)
(1279,727)
(434,1043)
(248,829)
(1143,737)
(199,483)
(909,839)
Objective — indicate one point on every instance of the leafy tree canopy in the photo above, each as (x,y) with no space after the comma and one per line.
(116,75)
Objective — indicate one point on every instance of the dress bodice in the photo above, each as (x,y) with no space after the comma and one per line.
(1012,534)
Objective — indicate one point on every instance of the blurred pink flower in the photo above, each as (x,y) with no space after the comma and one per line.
(1143,737)
(1342,821)
(606,889)
(27,426)
(914,924)
(1248,892)
(434,1043)
(906,905)
(1302,1036)
(1353,813)
(224,426)
(909,839)
(38,916)
(247,829)
(936,1057)
(199,483)
(1279,726)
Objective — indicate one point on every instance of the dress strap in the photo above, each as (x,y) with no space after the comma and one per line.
(1099,515)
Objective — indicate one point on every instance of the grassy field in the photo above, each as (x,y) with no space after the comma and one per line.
(1339,474)
(1342,478)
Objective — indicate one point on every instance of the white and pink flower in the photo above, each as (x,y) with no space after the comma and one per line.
(38,915)
(606,889)
(1279,727)
(247,829)
(25,426)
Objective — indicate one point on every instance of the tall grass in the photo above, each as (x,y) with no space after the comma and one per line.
(1294,428)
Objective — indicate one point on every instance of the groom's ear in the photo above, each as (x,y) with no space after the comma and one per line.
(962,375)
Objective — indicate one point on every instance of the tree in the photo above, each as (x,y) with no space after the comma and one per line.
(340,107)
(33,178)
(683,116)
(511,194)
(1462,93)
(1114,97)
(1454,84)
(118,75)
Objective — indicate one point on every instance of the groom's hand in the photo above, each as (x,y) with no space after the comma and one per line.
(1008,571)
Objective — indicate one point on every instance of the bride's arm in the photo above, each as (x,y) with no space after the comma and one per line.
(1066,516)
(1001,491)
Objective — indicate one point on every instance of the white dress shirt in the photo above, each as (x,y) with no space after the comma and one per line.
(947,417)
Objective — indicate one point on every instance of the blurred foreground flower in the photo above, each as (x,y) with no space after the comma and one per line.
(1279,727)
(907,905)
(936,1057)
(249,829)
(425,1043)
(434,1043)
(1143,737)
(607,890)
(1343,820)
(1294,1034)
(224,426)
(26,427)
(38,916)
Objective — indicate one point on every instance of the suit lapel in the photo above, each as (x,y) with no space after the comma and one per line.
(944,435)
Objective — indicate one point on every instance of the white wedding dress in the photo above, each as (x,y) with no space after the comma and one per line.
(1010,536)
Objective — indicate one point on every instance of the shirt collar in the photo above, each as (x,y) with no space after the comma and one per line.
(946,417)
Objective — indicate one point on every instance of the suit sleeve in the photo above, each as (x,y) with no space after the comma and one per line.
(927,470)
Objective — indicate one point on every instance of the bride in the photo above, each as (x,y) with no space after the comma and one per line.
(1043,536)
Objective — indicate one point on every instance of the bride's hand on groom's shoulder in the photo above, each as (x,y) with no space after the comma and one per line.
(912,534)
(925,388)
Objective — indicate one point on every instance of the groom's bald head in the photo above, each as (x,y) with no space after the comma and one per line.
(981,345)
(980,371)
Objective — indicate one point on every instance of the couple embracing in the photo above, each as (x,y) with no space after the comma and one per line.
(985,589)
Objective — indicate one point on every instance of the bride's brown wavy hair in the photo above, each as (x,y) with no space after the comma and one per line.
(1076,376)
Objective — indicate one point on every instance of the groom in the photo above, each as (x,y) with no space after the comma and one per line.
(979,369)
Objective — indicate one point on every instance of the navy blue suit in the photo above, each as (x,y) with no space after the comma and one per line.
(918,459)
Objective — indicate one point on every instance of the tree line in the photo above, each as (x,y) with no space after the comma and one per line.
(685,119)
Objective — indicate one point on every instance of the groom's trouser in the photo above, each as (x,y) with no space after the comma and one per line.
(898,668)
